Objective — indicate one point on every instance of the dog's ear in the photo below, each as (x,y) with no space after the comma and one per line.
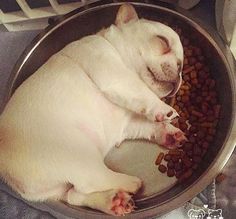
(125,14)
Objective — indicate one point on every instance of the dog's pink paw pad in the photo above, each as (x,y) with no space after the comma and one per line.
(159,117)
(173,140)
(122,204)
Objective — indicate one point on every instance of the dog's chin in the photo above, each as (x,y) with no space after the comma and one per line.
(167,88)
(176,85)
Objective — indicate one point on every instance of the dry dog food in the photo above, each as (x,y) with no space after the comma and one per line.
(199,110)
(220,178)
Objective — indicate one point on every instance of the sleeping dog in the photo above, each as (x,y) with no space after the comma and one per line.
(93,94)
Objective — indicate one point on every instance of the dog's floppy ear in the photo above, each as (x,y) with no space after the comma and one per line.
(125,14)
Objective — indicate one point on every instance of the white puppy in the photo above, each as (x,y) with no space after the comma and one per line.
(93,94)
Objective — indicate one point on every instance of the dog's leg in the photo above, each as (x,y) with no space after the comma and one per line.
(114,202)
(103,189)
(162,133)
(140,99)
(101,178)
(120,84)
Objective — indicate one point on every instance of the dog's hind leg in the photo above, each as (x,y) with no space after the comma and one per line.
(102,189)
(113,201)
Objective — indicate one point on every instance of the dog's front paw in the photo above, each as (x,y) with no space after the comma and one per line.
(167,113)
(166,135)
(173,139)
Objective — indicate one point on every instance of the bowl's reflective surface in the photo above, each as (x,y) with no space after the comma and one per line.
(77,25)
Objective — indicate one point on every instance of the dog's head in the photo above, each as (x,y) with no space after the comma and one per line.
(158,45)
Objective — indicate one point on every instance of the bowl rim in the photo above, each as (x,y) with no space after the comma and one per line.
(227,148)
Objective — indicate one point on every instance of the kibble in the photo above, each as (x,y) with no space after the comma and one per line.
(170,164)
(199,110)
(170,172)
(159,158)
(220,178)
(167,157)
(162,168)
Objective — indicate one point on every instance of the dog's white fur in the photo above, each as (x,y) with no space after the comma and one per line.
(61,122)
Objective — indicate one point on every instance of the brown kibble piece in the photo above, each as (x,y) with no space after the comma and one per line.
(189,53)
(205,145)
(192,139)
(185,61)
(203,152)
(167,157)
(193,129)
(174,152)
(185,98)
(207,125)
(182,120)
(162,168)
(199,99)
(212,84)
(199,111)
(193,74)
(220,178)
(196,113)
(192,60)
(178,166)
(198,65)
(197,159)
(187,162)
(188,146)
(172,101)
(209,138)
(178,174)
(197,51)
(185,87)
(186,42)
(188,173)
(217,110)
(190,153)
(211,118)
(185,175)
(170,172)
(186,78)
(212,131)
(170,164)
(201,134)
(183,126)
(181,92)
(175,158)
(189,69)
(195,166)
(197,150)
(159,158)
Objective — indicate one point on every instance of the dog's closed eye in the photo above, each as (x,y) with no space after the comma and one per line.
(165,44)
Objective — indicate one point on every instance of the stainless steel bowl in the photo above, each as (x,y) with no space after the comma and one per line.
(85,21)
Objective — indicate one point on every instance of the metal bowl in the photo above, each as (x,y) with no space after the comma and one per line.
(85,21)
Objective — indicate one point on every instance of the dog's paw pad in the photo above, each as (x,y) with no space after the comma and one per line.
(159,117)
(174,139)
(122,204)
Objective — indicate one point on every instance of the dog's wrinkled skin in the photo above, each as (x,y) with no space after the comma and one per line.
(96,92)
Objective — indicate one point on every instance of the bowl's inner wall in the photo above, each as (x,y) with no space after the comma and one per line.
(93,21)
